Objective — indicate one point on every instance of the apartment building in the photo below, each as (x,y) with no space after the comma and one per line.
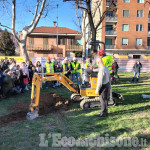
(126,28)
(42,42)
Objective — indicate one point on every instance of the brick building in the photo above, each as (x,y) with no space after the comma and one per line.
(126,28)
(42,42)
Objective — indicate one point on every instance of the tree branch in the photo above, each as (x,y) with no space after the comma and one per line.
(38,17)
(35,14)
(6,9)
(5,26)
(104,15)
(98,5)
(14,19)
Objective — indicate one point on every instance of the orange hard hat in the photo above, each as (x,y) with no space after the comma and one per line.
(48,58)
(101,52)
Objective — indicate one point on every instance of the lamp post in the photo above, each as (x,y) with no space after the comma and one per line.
(57,30)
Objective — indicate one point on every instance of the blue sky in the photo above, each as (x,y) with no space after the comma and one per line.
(66,14)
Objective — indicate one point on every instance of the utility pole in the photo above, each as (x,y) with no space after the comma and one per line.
(57,30)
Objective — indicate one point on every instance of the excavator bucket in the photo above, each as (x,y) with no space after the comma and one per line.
(32,115)
(35,93)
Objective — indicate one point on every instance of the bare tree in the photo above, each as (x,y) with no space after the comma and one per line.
(93,8)
(39,10)
(83,26)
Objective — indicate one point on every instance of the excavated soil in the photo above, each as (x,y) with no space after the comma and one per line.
(49,102)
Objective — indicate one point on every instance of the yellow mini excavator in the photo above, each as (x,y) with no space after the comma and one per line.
(87,96)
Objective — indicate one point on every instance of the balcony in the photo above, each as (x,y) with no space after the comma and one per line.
(76,48)
(110,33)
(148,19)
(39,47)
(148,47)
(111,19)
(110,46)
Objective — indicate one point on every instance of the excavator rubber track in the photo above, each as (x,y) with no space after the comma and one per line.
(93,103)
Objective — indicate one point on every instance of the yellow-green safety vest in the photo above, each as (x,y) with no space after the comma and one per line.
(86,66)
(75,66)
(49,67)
(64,67)
(108,61)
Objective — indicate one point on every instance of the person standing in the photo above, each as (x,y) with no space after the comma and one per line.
(39,69)
(115,69)
(5,66)
(75,70)
(137,68)
(25,75)
(84,66)
(66,67)
(103,84)
(49,69)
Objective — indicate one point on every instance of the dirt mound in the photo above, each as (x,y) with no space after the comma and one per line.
(49,102)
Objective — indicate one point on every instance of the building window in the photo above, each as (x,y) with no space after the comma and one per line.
(125,27)
(139,27)
(45,41)
(60,41)
(139,42)
(108,42)
(124,41)
(126,1)
(31,41)
(71,41)
(140,1)
(125,13)
(140,13)
(109,27)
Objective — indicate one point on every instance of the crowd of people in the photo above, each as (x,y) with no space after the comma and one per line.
(14,78)
(17,78)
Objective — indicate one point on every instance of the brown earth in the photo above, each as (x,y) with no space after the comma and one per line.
(49,102)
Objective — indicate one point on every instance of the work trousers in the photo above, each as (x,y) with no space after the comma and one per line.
(86,74)
(103,98)
(77,76)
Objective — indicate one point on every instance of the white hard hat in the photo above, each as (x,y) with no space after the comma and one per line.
(74,58)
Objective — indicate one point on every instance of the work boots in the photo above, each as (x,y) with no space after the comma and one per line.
(137,80)
(133,80)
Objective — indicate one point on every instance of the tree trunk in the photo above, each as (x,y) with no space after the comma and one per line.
(84,48)
(94,46)
(24,51)
(93,34)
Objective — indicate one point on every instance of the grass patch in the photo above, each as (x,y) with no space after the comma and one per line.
(129,118)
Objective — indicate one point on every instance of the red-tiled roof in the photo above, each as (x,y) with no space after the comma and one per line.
(62,30)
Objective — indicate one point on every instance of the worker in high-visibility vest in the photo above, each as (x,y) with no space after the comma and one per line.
(49,69)
(107,60)
(66,67)
(83,66)
(75,70)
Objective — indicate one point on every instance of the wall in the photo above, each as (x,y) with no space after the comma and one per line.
(126,65)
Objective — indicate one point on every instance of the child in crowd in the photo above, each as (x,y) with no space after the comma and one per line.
(25,75)
(39,69)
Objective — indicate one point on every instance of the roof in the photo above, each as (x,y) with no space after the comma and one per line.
(61,30)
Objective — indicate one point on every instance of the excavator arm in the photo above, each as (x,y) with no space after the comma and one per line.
(35,93)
